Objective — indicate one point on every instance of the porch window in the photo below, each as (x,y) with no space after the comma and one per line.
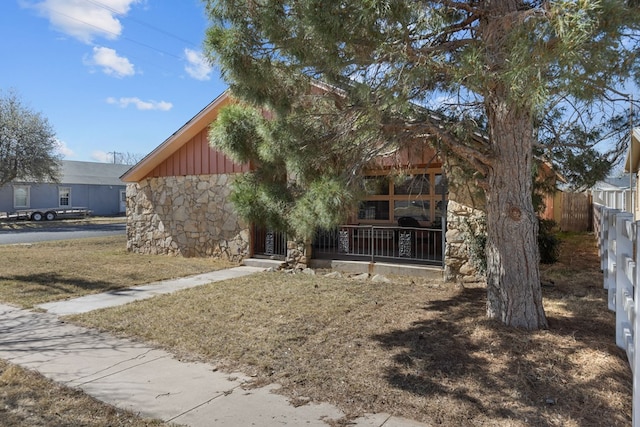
(374,210)
(377,185)
(64,194)
(418,209)
(415,185)
(417,194)
(21,196)
(439,184)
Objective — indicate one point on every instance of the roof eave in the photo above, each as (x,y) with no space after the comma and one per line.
(172,144)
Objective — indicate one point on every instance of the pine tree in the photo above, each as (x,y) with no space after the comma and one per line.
(502,65)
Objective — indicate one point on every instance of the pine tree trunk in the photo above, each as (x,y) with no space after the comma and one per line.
(514,294)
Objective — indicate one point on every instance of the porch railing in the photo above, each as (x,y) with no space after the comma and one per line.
(380,243)
(269,243)
(361,243)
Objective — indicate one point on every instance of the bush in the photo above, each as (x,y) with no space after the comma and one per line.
(476,239)
(548,243)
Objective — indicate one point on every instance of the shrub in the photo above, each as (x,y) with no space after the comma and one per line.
(548,242)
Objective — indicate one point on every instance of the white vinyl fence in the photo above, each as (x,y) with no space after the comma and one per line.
(618,238)
(623,199)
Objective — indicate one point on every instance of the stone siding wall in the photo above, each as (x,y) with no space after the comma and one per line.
(462,223)
(185,215)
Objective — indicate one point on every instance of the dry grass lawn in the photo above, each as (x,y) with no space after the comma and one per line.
(48,271)
(413,348)
(28,399)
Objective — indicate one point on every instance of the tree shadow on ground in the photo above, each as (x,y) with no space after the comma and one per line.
(49,286)
(462,360)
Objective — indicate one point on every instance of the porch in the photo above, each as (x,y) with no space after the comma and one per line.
(371,243)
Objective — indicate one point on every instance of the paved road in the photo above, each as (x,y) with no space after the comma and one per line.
(61,232)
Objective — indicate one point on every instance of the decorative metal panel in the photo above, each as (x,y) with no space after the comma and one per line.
(269,242)
(404,244)
(343,241)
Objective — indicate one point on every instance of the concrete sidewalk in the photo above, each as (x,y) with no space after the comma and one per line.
(149,381)
(124,296)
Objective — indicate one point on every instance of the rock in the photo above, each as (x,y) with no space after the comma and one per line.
(363,276)
(467,269)
(379,278)
(309,271)
(334,275)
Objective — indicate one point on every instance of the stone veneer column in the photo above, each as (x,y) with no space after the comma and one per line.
(185,215)
(458,265)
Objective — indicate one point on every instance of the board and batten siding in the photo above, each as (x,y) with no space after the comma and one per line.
(197,157)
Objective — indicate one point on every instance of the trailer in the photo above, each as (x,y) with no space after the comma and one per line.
(48,214)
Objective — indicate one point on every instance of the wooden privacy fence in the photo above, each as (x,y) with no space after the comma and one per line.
(575,211)
(618,238)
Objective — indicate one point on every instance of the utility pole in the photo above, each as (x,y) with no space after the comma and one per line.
(114,155)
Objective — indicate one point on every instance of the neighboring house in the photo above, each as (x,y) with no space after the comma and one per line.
(89,185)
(615,192)
(632,166)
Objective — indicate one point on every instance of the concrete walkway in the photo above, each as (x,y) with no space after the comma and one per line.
(149,381)
(124,296)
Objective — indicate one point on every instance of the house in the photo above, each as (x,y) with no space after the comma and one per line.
(177,196)
(89,185)
(632,166)
(178,203)
(615,192)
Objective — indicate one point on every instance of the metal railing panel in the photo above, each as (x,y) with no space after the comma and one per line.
(380,243)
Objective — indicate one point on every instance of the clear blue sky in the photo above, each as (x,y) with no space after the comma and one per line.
(110,75)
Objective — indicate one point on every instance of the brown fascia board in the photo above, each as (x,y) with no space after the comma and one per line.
(172,144)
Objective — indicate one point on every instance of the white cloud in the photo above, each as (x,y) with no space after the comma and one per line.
(102,157)
(197,65)
(111,63)
(64,149)
(140,104)
(85,20)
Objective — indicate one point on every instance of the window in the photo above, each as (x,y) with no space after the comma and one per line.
(416,185)
(418,209)
(374,209)
(440,185)
(21,196)
(417,194)
(376,185)
(64,196)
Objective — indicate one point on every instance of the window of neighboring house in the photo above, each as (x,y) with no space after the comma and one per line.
(21,196)
(64,196)
(416,194)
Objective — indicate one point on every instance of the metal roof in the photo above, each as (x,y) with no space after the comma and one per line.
(93,173)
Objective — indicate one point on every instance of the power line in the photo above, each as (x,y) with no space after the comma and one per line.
(102,29)
(116,34)
(143,23)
